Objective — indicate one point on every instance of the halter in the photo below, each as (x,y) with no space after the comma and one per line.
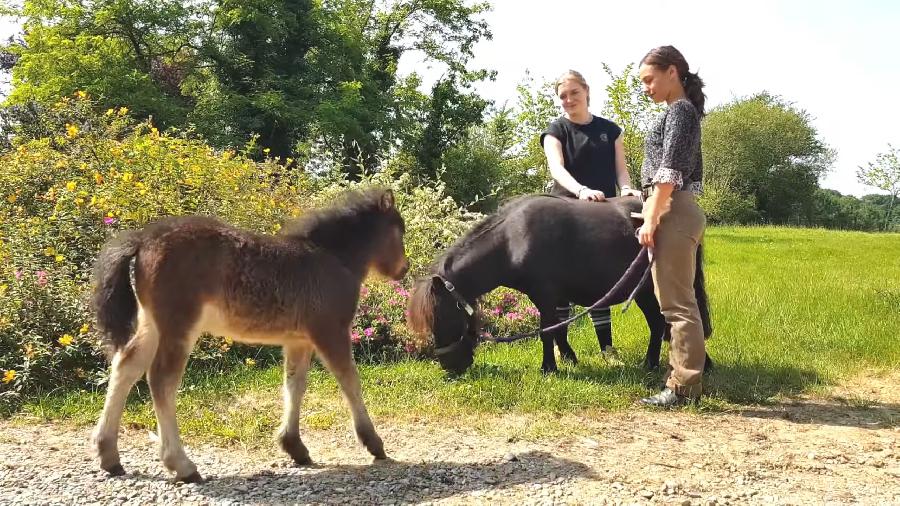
(463,305)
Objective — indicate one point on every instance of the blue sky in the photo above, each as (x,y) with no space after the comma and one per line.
(836,60)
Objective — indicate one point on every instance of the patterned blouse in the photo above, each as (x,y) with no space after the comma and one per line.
(672,149)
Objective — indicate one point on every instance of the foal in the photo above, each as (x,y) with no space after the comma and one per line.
(192,275)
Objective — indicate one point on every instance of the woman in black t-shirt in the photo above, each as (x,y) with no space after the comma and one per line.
(586,157)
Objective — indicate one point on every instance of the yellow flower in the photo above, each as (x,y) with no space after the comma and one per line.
(128,176)
(110,214)
(154,132)
(250,362)
(79,201)
(71,186)
(84,329)
(110,112)
(12,199)
(71,130)
(81,94)
(49,251)
(66,340)
(29,351)
(98,177)
(277,227)
(9,376)
(266,151)
(123,111)
(59,258)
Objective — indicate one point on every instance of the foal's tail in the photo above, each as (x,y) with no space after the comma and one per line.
(113,299)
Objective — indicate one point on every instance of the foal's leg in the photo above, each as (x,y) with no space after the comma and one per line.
(164,378)
(334,348)
(296,367)
(128,365)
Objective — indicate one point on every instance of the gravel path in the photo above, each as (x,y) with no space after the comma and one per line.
(802,453)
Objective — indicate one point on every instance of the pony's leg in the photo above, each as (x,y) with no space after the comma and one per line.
(128,365)
(646,300)
(549,316)
(164,377)
(296,367)
(338,357)
(561,335)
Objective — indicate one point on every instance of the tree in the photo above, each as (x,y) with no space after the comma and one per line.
(629,107)
(288,73)
(767,149)
(884,174)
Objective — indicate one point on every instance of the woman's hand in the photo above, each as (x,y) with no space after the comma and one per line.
(586,193)
(645,234)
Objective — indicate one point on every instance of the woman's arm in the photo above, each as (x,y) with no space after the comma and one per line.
(554,154)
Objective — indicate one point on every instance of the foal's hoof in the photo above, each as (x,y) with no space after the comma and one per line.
(303,461)
(191,478)
(549,370)
(115,470)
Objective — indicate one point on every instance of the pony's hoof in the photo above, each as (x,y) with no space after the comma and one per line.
(116,470)
(191,478)
(381,459)
(546,371)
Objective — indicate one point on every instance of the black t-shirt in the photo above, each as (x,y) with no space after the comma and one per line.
(589,153)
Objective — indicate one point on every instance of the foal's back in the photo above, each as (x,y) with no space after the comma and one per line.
(204,275)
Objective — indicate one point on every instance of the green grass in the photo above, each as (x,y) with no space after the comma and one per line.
(794,310)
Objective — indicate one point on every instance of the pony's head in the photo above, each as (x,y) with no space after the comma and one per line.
(434,310)
(390,256)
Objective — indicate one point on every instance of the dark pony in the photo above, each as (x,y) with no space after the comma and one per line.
(156,290)
(555,250)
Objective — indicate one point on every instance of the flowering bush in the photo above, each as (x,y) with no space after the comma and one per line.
(90,174)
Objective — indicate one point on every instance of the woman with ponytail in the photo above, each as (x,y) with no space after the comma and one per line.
(673,222)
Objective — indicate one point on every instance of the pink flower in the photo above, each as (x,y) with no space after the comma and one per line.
(486,334)
(401,291)
(496,311)
(533,311)
(410,349)
(109,221)
(513,316)
(19,274)
(354,337)
(41,277)
(382,320)
(393,301)
(363,292)
(369,332)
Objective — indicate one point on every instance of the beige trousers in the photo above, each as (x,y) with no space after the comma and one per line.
(675,249)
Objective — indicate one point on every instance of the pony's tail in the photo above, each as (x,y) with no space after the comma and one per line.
(420,317)
(113,300)
(700,293)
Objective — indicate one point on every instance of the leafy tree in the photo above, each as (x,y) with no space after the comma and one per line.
(884,174)
(629,107)
(767,149)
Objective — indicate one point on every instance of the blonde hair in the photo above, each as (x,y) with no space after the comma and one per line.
(572,75)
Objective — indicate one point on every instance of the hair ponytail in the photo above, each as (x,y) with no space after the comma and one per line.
(693,89)
(665,56)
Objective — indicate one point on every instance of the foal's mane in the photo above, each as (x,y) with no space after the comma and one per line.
(354,209)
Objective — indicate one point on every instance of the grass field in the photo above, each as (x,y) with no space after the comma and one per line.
(794,310)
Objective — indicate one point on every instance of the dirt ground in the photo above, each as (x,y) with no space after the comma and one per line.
(841,448)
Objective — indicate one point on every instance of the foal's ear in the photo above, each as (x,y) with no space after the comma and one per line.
(387,201)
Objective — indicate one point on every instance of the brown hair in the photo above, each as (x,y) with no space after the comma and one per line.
(664,56)
(576,76)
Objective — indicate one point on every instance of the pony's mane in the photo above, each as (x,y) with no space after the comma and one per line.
(333,221)
(481,228)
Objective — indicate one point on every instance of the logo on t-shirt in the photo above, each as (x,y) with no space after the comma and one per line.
(603,137)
